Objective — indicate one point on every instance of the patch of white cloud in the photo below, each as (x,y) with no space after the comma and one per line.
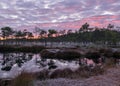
(4,6)
(46,6)
(54,21)
(75,16)
(63,17)
(13,16)
(97,7)
(52,11)
(108,13)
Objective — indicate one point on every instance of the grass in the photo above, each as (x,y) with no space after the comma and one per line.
(5,82)
(109,63)
(42,75)
(65,73)
(24,79)
(81,72)
(86,72)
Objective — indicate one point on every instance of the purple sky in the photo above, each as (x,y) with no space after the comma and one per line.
(58,14)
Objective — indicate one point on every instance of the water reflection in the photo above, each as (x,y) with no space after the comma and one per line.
(7,60)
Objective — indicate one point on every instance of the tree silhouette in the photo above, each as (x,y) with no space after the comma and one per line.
(110,26)
(42,33)
(30,34)
(84,27)
(51,32)
(6,32)
(19,34)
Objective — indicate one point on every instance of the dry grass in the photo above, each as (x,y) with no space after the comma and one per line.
(42,75)
(24,79)
(109,63)
(81,72)
(5,82)
(86,72)
(65,73)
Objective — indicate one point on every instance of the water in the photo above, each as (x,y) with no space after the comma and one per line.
(9,59)
(12,64)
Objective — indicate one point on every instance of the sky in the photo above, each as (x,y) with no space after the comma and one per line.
(58,14)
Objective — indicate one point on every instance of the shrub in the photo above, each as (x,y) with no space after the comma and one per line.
(65,55)
(82,72)
(42,75)
(86,72)
(68,55)
(24,79)
(109,63)
(47,54)
(94,56)
(102,50)
(97,70)
(65,73)
(5,82)
(108,53)
(116,55)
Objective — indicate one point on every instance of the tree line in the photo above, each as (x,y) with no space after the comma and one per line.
(84,34)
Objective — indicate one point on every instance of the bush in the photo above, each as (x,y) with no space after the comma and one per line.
(108,53)
(94,56)
(102,50)
(109,63)
(97,70)
(81,72)
(47,54)
(68,55)
(42,75)
(86,72)
(24,79)
(65,55)
(5,82)
(116,55)
(65,73)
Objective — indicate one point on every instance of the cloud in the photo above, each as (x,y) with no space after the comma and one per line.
(63,14)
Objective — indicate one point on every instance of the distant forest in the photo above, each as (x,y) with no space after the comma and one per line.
(100,36)
(84,34)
